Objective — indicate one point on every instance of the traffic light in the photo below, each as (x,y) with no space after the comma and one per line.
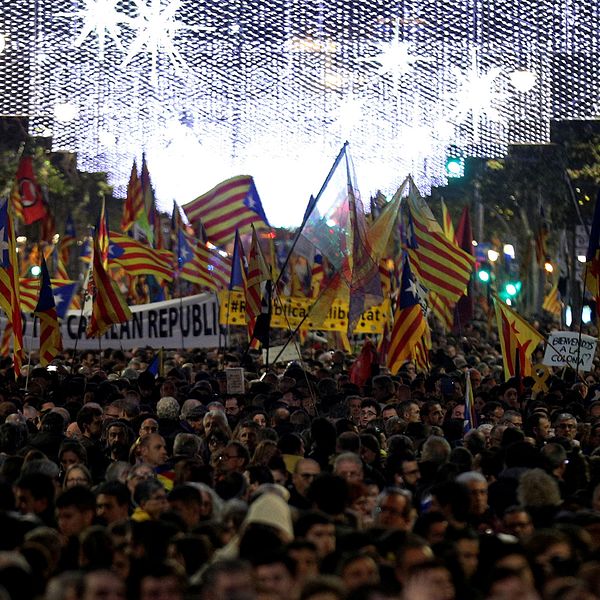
(484,274)
(512,288)
(455,167)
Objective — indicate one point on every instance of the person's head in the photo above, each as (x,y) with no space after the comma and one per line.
(138,473)
(148,426)
(466,545)
(186,445)
(186,501)
(71,453)
(394,510)
(436,449)
(112,501)
(432,413)
(413,551)
(513,418)
(77,475)
(274,575)
(247,434)
(409,411)
(151,497)
(369,411)
(163,581)
(349,466)
(152,450)
(565,425)
(537,426)
(305,471)
(228,578)
(510,396)
(477,486)
(318,529)
(34,494)
(517,521)
(102,584)
(430,579)
(408,471)
(117,433)
(89,421)
(383,388)
(358,569)
(233,458)
(75,510)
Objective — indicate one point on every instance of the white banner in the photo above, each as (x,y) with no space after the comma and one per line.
(564,349)
(191,322)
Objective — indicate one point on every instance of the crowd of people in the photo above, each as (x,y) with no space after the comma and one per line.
(119,483)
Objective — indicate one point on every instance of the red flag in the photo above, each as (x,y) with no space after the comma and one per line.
(365,365)
(30,192)
(464,310)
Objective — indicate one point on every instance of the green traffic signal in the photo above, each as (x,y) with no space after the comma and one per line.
(455,166)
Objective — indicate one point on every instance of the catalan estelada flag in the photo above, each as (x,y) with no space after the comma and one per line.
(50,339)
(230,205)
(440,265)
(138,258)
(9,282)
(30,193)
(447,223)
(518,340)
(409,322)
(552,303)
(109,306)
(134,203)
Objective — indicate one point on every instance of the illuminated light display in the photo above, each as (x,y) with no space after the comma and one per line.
(213,88)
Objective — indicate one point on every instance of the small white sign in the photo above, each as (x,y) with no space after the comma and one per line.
(235,380)
(564,349)
(289,353)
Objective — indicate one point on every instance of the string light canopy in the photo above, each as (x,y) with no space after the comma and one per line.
(213,88)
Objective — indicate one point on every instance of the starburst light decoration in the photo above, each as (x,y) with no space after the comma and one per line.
(213,88)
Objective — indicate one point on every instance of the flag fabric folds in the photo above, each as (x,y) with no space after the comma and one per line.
(366,364)
(238,265)
(230,205)
(470,414)
(409,322)
(541,240)
(258,272)
(592,267)
(552,303)
(109,306)
(134,203)
(68,238)
(62,289)
(440,264)
(138,258)
(30,193)
(518,340)
(45,310)
(9,282)
(447,223)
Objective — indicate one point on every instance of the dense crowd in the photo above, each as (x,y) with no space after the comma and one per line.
(118,483)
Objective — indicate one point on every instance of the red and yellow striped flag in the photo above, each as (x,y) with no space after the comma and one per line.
(109,306)
(552,302)
(134,203)
(9,282)
(258,271)
(447,224)
(518,339)
(45,310)
(440,264)
(409,322)
(230,205)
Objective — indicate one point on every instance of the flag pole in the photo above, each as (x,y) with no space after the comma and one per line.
(311,205)
(29,353)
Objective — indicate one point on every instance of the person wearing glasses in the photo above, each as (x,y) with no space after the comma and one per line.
(394,509)
(233,457)
(565,426)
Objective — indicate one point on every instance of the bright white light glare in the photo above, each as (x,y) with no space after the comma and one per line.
(586,315)
(508,302)
(35,270)
(548,267)
(582,258)
(234,28)
(475,243)
(55,238)
(455,168)
(523,81)
(493,255)
(21,239)
(509,250)
(65,112)
(484,276)
(46,132)
(568,316)
(511,289)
